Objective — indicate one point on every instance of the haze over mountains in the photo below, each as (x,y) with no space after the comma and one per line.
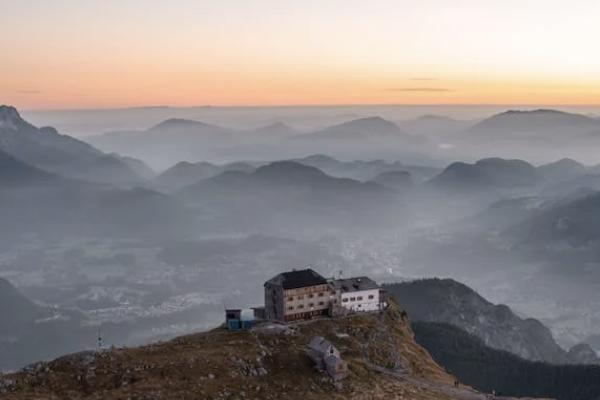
(176,139)
(542,136)
(450,302)
(46,148)
(144,253)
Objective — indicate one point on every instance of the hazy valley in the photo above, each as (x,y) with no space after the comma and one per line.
(146,235)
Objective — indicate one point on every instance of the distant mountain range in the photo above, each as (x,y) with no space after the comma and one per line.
(397,180)
(49,150)
(537,135)
(275,130)
(572,221)
(487,173)
(365,170)
(562,169)
(370,128)
(549,123)
(178,140)
(185,173)
(291,194)
(54,185)
(434,126)
(448,301)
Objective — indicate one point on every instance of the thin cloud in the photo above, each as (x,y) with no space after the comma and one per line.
(29,91)
(419,89)
(423,79)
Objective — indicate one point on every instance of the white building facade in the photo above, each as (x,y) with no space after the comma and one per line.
(357,294)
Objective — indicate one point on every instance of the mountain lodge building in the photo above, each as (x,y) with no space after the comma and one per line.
(304,294)
(297,295)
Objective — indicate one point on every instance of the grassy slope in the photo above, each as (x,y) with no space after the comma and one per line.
(384,361)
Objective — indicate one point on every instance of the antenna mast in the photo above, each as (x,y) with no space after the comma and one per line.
(99,339)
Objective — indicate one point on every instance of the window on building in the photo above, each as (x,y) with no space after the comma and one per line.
(360,305)
(311,304)
(359,298)
(371,297)
(290,298)
(345,300)
(321,303)
(352,298)
(290,308)
(301,306)
(310,296)
(321,294)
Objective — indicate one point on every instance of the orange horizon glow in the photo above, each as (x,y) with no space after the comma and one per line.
(69,54)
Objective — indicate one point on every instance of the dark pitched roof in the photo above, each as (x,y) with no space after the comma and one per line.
(355,284)
(298,279)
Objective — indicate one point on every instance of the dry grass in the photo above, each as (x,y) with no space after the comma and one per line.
(384,363)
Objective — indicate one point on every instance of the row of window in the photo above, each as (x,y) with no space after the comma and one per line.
(301,306)
(301,297)
(359,298)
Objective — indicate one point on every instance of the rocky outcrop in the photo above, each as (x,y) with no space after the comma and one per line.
(268,362)
(583,354)
(451,302)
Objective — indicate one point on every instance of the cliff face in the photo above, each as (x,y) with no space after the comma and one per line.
(489,369)
(268,362)
(451,302)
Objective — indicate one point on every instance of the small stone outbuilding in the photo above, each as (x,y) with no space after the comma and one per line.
(327,358)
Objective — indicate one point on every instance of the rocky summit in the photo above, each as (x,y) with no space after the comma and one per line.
(267,362)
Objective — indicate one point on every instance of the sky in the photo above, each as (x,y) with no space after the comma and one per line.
(66,54)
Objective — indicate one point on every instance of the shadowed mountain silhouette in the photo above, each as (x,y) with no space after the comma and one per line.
(562,169)
(487,173)
(288,190)
(544,122)
(397,180)
(14,172)
(448,301)
(276,129)
(185,173)
(363,128)
(47,149)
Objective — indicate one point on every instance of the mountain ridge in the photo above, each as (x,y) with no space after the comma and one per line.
(47,149)
(449,301)
(268,363)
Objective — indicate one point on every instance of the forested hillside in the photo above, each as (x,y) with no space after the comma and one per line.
(487,369)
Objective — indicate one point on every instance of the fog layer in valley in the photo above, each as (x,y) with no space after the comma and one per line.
(160,218)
